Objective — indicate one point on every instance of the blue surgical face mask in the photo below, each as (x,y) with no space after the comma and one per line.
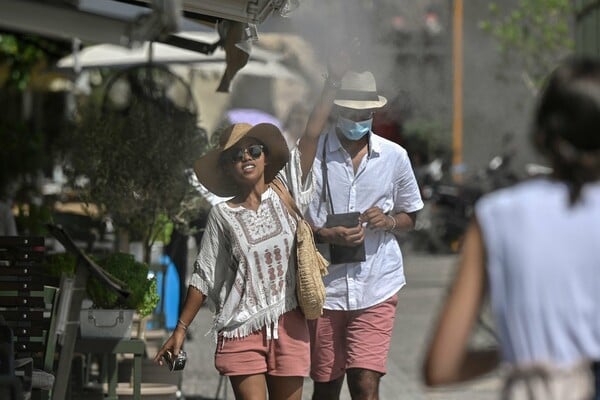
(354,130)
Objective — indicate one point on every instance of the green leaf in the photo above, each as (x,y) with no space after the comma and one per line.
(533,35)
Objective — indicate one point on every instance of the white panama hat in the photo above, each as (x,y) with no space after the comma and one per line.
(359,91)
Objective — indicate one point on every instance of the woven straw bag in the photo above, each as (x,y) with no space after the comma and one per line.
(311,266)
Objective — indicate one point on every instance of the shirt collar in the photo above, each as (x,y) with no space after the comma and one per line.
(334,144)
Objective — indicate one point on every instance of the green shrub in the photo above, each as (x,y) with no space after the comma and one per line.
(58,264)
(133,275)
(124,269)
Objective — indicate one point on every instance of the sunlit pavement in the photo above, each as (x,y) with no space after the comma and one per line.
(419,301)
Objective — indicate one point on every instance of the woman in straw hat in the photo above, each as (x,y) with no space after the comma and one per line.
(243,270)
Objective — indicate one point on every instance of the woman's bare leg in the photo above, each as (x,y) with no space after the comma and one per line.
(249,387)
(285,387)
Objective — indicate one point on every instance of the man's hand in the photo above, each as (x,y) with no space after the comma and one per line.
(341,59)
(376,219)
(337,65)
(343,236)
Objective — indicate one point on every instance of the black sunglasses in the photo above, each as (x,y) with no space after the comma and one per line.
(254,151)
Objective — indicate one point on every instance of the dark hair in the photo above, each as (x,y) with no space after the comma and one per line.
(567,122)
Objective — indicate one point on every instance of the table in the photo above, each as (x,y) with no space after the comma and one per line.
(111,347)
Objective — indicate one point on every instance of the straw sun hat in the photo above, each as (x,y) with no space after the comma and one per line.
(359,91)
(212,174)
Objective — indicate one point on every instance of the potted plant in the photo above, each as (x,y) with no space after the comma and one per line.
(100,320)
(133,141)
(110,315)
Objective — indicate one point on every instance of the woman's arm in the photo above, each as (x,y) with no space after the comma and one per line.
(193,301)
(448,359)
(320,113)
(214,251)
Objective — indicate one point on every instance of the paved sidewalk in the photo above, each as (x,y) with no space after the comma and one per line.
(419,302)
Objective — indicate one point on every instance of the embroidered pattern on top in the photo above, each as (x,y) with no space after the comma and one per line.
(256,228)
(260,226)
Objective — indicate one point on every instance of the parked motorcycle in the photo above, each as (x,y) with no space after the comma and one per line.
(449,205)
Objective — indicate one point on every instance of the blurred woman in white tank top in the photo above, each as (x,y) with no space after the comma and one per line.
(534,249)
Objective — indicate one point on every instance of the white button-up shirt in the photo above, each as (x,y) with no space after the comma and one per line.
(384,179)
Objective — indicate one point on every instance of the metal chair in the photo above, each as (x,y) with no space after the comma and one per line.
(28,306)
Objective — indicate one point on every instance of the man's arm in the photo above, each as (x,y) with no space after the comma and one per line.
(318,118)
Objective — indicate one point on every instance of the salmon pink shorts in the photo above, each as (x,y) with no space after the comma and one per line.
(289,355)
(341,340)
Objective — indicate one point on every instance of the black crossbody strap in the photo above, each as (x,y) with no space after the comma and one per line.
(326,189)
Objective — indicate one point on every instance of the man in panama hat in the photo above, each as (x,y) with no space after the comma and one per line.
(357,171)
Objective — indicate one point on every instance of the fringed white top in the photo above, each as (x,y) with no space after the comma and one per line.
(244,266)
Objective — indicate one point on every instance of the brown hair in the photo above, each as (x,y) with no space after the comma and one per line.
(567,122)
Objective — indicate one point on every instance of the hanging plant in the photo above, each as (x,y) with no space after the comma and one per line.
(130,153)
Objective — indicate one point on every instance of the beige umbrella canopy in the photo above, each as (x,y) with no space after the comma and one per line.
(271,58)
(260,63)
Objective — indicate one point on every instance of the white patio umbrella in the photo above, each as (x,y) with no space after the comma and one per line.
(261,63)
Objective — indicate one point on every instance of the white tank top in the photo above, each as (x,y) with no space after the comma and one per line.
(544,271)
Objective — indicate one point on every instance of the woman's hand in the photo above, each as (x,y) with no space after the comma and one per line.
(193,301)
(172,345)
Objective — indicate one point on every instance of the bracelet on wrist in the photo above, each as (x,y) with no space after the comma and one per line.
(183,325)
(393,223)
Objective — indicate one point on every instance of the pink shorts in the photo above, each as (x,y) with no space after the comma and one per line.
(341,340)
(289,355)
